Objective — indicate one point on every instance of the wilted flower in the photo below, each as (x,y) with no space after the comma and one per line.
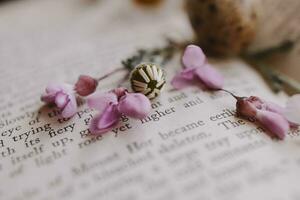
(269,114)
(115,103)
(197,71)
(63,96)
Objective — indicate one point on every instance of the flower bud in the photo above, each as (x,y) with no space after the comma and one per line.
(85,85)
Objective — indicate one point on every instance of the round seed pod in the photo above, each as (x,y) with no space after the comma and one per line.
(223,27)
(147,78)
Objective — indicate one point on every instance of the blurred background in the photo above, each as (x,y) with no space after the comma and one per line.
(36,30)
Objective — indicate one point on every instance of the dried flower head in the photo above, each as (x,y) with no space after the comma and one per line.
(148,79)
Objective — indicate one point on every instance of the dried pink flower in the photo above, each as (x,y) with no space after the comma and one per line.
(85,85)
(197,71)
(115,103)
(269,114)
(63,96)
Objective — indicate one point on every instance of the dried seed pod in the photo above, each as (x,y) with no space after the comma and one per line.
(147,78)
(223,26)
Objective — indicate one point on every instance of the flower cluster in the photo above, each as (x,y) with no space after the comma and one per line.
(112,105)
(63,95)
(270,115)
(198,72)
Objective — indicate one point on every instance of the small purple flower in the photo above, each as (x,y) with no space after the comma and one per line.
(269,114)
(63,96)
(112,105)
(85,85)
(197,71)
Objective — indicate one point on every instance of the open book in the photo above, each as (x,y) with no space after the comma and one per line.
(191,146)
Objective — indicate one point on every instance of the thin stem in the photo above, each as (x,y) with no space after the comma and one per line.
(233,95)
(110,73)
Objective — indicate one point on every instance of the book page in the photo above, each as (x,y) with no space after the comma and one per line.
(191,146)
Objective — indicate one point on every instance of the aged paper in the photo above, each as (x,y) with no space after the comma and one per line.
(191,146)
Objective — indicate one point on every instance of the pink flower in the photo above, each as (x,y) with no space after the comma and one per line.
(112,105)
(63,96)
(85,85)
(270,115)
(197,71)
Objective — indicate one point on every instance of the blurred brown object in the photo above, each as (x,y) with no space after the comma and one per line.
(148,2)
(223,27)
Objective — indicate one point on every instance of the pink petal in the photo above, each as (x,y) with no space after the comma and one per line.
(211,78)
(106,120)
(256,101)
(121,91)
(100,101)
(48,98)
(85,85)
(135,105)
(273,107)
(184,79)
(292,110)
(273,122)
(61,99)
(70,108)
(263,105)
(193,56)
(53,88)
